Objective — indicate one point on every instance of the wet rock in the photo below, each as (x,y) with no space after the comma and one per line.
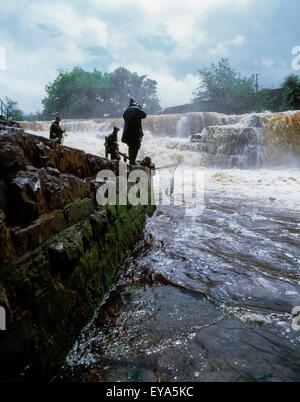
(63,256)
(99,223)
(71,161)
(196,138)
(4,301)
(53,171)
(21,336)
(26,239)
(30,237)
(59,254)
(8,123)
(96,164)
(24,194)
(36,192)
(12,157)
(255,121)
(3,200)
(61,190)
(7,251)
(45,156)
(78,211)
(19,149)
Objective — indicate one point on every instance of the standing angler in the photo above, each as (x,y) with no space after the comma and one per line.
(133,131)
(56,132)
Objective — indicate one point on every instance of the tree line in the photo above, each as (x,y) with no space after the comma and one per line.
(229,92)
(84,94)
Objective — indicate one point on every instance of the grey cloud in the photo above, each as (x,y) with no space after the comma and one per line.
(53,31)
(270,29)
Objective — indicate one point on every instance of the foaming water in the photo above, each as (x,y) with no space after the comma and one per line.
(202,299)
(207,298)
(243,142)
(282,133)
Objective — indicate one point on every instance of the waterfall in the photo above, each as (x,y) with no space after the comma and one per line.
(245,141)
(282,136)
(238,144)
(185,125)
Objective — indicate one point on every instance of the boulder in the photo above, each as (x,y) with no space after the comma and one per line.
(7,251)
(33,192)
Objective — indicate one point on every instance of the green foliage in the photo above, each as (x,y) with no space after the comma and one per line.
(291,89)
(287,100)
(265,101)
(37,116)
(82,94)
(126,84)
(76,93)
(292,81)
(14,112)
(229,92)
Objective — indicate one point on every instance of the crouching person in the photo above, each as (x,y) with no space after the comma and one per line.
(56,132)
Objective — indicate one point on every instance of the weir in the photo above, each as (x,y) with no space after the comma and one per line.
(244,141)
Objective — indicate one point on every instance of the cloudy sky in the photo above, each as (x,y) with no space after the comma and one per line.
(166,39)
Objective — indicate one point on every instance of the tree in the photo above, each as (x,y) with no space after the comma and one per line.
(291,90)
(82,94)
(13,110)
(37,116)
(126,84)
(76,93)
(229,92)
(265,100)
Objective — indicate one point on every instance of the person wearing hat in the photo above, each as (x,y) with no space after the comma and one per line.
(147,162)
(56,132)
(112,145)
(133,130)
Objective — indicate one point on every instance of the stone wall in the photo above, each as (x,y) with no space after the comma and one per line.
(59,251)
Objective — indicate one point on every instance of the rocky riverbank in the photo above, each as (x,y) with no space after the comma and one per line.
(59,251)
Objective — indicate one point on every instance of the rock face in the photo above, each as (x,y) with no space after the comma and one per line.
(59,251)
(8,123)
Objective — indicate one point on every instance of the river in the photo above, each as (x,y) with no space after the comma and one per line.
(208,297)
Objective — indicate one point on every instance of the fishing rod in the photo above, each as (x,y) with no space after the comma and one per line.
(168,167)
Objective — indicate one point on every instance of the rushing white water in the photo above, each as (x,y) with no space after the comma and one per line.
(252,156)
(248,141)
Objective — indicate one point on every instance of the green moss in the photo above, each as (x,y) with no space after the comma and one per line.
(79,210)
(62,283)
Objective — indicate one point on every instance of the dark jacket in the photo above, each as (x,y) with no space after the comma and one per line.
(112,147)
(56,132)
(133,130)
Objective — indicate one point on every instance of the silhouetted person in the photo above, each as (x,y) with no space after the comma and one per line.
(56,132)
(133,130)
(112,145)
(147,162)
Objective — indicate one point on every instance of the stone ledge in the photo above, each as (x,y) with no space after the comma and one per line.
(59,253)
(52,292)
(19,149)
